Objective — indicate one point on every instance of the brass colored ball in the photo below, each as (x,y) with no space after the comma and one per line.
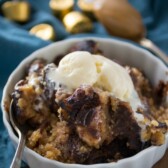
(18,11)
(44,31)
(86,6)
(61,7)
(76,22)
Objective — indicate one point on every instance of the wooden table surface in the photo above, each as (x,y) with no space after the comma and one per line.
(163,163)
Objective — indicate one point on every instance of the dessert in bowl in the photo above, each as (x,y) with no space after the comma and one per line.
(99,103)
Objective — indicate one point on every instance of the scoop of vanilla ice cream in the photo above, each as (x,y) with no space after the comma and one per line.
(81,67)
(113,78)
(78,68)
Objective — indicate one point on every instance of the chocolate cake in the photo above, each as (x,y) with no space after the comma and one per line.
(88,125)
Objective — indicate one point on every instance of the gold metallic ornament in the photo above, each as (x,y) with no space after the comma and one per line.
(86,7)
(61,7)
(18,11)
(43,31)
(76,22)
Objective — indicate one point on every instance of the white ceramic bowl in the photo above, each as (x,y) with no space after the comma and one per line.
(124,52)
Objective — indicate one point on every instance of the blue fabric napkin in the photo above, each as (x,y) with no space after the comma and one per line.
(16,43)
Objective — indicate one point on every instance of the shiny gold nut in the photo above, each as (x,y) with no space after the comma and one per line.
(76,22)
(44,31)
(18,11)
(87,7)
(61,7)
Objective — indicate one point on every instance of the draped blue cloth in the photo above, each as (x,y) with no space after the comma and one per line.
(16,43)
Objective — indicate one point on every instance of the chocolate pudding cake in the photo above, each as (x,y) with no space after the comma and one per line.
(84,108)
